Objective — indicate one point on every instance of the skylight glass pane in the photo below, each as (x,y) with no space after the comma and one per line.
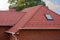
(48,16)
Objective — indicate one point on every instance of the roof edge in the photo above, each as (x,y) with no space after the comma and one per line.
(53,11)
(38,28)
(9,32)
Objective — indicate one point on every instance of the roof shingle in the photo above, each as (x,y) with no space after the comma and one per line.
(9,18)
(35,19)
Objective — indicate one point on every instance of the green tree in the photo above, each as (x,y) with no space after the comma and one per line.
(21,4)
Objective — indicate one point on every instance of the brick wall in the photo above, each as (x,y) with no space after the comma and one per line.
(39,35)
(3,35)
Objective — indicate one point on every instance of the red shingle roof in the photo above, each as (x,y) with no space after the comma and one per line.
(35,19)
(9,18)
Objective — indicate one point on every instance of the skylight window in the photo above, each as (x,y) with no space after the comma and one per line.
(48,17)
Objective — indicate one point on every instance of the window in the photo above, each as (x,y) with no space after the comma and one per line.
(48,17)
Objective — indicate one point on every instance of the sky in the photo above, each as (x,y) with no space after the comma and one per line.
(53,5)
(4,6)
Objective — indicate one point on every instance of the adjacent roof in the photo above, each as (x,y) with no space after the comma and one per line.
(35,19)
(10,18)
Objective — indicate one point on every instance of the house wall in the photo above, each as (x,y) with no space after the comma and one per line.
(38,35)
(3,35)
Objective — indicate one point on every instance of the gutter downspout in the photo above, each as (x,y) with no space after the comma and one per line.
(15,38)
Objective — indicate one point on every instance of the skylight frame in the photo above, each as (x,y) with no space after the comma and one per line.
(49,17)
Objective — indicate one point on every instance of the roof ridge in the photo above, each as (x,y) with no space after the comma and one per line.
(51,10)
(24,20)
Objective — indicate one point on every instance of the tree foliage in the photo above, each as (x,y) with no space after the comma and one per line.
(21,4)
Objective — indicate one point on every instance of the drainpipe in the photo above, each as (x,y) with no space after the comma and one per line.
(15,38)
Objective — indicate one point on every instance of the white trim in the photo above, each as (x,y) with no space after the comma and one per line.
(38,28)
(9,32)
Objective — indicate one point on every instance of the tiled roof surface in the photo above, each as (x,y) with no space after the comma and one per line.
(26,17)
(39,20)
(9,18)
(35,19)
